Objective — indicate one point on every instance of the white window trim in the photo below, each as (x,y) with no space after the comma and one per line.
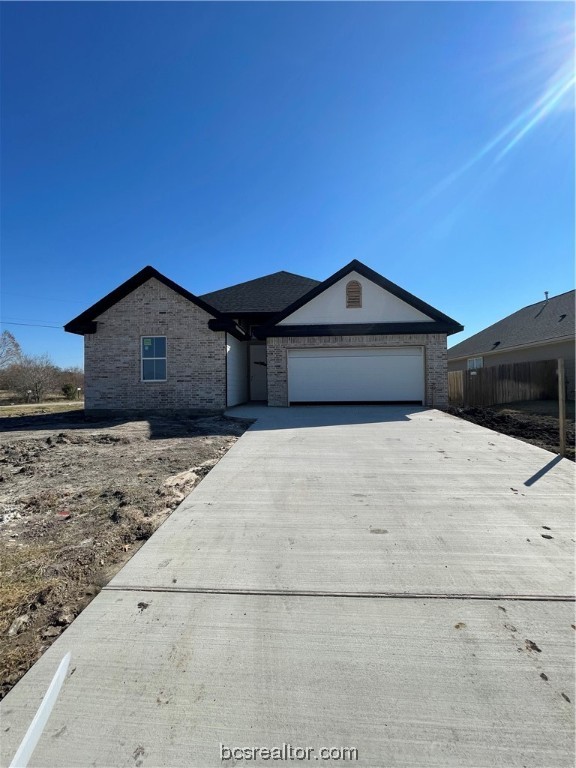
(474,360)
(142,358)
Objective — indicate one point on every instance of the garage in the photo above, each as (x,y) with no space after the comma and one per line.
(356,375)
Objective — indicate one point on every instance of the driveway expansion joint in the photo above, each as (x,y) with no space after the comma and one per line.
(322,593)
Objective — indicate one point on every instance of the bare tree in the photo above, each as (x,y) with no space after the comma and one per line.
(10,351)
(33,377)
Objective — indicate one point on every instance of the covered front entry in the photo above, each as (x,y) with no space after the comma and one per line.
(258,384)
(356,374)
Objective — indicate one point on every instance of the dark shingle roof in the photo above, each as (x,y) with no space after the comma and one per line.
(271,293)
(546,320)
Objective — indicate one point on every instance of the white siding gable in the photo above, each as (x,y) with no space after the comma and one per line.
(378,306)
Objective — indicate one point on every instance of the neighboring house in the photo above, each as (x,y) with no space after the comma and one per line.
(281,339)
(541,331)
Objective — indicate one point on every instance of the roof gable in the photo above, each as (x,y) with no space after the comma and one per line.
(551,320)
(85,322)
(377,305)
(406,309)
(268,294)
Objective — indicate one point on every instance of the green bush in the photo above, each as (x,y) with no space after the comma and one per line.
(69,391)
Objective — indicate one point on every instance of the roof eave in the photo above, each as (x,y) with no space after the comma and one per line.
(82,328)
(512,348)
(229,326)
(356,329)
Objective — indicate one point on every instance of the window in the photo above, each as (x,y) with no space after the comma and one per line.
(475,362)
(353,295)
(153,358)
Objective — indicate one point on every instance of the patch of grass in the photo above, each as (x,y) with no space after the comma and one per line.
(22,583)
(9,397)
(33,409)
(18,657)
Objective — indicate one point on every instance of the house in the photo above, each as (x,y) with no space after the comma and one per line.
(541,331)
(282,339)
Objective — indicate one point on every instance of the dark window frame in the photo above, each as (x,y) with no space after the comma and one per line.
(143,359)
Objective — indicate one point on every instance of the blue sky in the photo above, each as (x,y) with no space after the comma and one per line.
(223,141)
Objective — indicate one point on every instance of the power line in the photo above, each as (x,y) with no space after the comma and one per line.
(12,319)
(42,298)
(32,325)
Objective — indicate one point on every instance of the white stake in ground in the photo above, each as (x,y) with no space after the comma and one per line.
(28,745)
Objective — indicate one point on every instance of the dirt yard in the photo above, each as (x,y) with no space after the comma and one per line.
(77,500)
(534,421)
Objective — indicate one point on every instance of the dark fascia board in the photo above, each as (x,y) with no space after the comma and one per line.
(88,326)
(356,329)
(229,326)
(84,323)
(249,315)
(375,277)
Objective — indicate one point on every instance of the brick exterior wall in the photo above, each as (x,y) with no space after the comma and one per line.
(196,356)
(435,360)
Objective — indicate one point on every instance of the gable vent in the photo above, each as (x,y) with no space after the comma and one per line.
(353,295)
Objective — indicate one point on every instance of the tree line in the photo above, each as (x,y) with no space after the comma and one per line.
(34,377)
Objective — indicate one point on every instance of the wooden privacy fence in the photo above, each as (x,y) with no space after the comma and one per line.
(505,383)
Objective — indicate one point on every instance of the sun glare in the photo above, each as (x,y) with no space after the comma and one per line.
(557,95)
(563,84)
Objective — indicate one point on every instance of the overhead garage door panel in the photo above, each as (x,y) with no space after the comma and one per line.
(356,375)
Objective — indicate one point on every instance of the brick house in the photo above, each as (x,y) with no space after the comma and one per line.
(281,339)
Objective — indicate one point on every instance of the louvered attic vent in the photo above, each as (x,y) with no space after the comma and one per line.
(353,295)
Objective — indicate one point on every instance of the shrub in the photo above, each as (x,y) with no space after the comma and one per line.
(69,391)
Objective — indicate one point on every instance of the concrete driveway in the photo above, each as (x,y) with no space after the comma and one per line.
(391,580)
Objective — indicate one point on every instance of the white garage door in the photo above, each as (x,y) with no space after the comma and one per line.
(374,374)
